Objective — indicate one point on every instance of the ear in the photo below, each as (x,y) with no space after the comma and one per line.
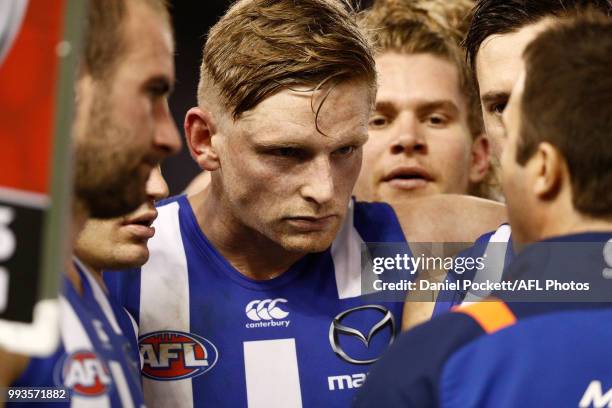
(200,127)
(481,159)
(547,168)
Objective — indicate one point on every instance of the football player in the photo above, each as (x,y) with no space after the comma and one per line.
(252,293)
(426,133)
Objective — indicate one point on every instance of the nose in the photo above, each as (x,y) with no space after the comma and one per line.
(409,138)
(157,188)
(167,136)
(318,184)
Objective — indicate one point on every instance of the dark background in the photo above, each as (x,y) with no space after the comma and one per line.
(191,20)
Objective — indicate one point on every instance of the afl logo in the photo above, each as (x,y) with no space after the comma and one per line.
(173,355)
(86,374)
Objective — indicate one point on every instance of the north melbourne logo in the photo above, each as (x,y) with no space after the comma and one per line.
(266,313)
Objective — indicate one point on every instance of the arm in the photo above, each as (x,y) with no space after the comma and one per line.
(448,218)
(443,218)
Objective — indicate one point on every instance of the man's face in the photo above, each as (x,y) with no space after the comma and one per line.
(498,64)
(120,243)
(420,141)
(514,175)
(282,178)
(123,127)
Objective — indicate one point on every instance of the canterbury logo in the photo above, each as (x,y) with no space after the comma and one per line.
(267,309)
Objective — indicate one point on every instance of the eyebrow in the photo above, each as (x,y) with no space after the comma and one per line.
(494,96)
(422,106)
(358,138)
(443,104)
(384,105)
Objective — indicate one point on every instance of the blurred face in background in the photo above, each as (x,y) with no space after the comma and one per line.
(419,138)
(123,127)
(120,243)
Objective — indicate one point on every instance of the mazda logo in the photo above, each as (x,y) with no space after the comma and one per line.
(336,328)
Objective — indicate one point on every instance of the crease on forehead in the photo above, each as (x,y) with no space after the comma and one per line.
(295,111)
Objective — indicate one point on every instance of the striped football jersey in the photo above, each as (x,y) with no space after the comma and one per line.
(496,250)
(97,359)
(209,336)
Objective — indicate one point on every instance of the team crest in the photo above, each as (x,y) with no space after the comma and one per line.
(173,355)
(86,374)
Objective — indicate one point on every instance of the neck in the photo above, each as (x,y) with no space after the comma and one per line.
(578,227)
(558,223)
(248,251)
(96,273)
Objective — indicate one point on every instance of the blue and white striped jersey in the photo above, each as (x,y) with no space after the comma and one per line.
(209,336)
(496,249)
(97,358)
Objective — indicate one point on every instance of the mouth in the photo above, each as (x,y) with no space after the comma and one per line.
(140,224)
(310,223)
(408,177)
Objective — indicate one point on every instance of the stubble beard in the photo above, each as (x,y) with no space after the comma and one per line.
(107,175)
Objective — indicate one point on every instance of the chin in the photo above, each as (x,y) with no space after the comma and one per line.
(308,243)
(131,258)
(396,195)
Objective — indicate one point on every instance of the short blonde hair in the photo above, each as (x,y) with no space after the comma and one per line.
(260,47)
(409,28)
(434,27)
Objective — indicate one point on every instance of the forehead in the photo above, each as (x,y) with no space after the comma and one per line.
(499,58)
(405,78)
(289,116)
(148,39)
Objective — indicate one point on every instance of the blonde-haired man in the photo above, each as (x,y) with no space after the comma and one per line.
(426,133)
(252,293)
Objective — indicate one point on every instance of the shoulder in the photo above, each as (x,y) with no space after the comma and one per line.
(410,373)
(376,222)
